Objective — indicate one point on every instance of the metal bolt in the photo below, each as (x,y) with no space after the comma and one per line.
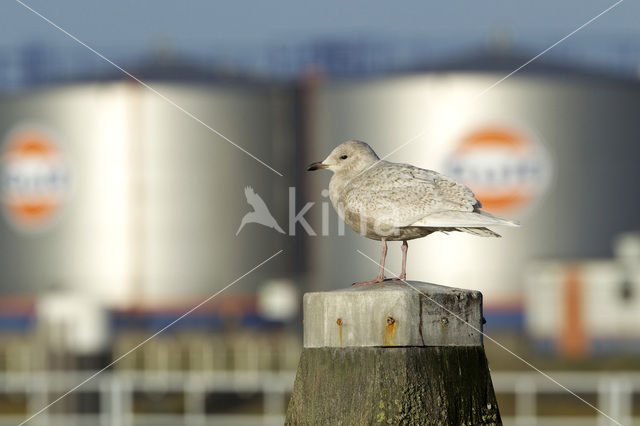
(339,321)
(444,320)
(390,320)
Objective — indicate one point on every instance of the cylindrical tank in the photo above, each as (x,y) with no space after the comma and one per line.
(555,150)
(108,187)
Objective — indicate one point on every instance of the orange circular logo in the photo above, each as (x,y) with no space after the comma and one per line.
(506,169)
(35,178)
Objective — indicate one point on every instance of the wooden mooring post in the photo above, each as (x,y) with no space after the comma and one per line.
(391,354)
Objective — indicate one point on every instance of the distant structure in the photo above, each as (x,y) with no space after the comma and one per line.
(585,306)
(37,63)
(109,188)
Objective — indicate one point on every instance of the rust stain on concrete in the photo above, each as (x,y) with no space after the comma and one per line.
(390,332)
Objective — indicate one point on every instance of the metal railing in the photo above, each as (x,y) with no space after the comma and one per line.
(116,392)
(614,392)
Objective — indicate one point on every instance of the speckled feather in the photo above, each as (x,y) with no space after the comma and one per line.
(401,194)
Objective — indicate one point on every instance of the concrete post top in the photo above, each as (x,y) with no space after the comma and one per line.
(411,287)
(393,313)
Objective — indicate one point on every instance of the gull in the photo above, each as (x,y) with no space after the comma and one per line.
(388,201)
(260,213)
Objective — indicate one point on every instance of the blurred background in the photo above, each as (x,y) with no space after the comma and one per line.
(122,209)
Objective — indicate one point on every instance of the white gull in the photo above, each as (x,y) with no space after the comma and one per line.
(388,201)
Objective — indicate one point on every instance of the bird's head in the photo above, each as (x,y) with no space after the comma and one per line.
(348,158)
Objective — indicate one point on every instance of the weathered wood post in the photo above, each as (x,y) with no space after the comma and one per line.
(389,354)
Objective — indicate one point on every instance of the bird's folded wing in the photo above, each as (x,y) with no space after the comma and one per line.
(401,195)
(454,219)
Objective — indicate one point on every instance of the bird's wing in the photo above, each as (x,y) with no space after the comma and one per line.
(401,194)
(248,192)
(255,200)
(453,195)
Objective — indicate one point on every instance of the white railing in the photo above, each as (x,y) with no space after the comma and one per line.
(614,392)
(116,390)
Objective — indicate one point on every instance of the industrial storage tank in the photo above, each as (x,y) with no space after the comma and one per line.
(555,148)
(111,188)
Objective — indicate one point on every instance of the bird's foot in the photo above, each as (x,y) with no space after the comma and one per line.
(402,277)
(377,280)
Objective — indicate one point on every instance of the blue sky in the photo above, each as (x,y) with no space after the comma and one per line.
(192,24)
(245,34)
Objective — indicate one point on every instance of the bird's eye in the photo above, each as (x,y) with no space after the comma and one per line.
(343,157)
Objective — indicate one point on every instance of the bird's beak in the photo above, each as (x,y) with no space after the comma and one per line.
(316,166)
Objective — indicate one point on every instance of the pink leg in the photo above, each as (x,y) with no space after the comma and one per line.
(380,276)
(405,249)
(383,257)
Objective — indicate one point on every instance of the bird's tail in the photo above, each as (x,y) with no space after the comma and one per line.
(498,220)
(480,232)
(243,222)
